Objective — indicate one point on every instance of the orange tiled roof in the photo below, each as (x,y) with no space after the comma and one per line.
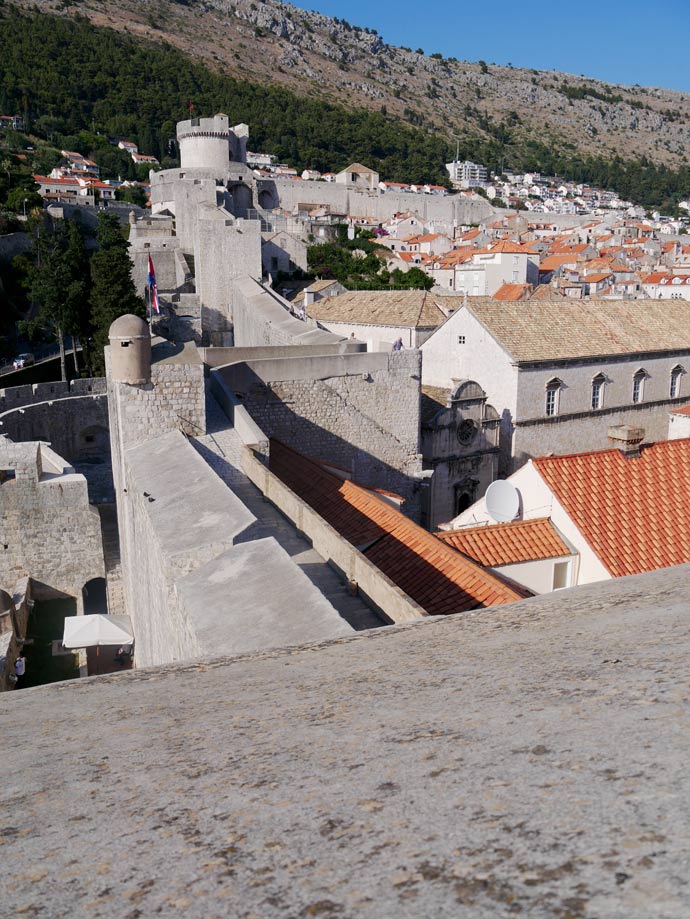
(437,577)
(632,510)
(552,262)
(512,292)
(508,543)
(506,246)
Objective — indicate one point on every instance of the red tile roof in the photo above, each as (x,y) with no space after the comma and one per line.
(508,543)
(553,262)
(634,511)
(437,577)
(513,292)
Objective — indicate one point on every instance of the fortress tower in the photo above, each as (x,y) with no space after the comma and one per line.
(209,143)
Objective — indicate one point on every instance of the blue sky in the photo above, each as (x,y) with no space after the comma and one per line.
(622,42)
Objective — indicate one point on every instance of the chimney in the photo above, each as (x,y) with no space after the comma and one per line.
(627,438)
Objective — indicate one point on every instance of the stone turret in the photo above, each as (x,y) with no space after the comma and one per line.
(205,143)
(130,350)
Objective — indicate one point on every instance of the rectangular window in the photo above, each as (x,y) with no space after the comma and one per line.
(675,384)
(597,391)
(461,339)
(551,402)
(561,575)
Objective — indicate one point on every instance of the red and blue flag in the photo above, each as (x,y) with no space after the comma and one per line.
(153,287)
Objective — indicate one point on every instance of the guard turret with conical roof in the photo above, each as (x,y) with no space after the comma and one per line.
(130,350)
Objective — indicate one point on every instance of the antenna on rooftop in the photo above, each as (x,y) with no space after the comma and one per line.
(502,501)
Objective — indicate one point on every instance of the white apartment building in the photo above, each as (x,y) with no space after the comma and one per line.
(467,174)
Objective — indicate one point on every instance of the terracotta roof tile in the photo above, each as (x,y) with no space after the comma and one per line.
(634,511)
(508,543)
(409,308)
(437,577)
(513,292)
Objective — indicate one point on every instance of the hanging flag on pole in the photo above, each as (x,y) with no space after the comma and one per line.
(153,288)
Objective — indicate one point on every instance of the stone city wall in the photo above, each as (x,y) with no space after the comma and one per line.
(381,593)
(359,411)
(218,357)
(174,400)
(262,318)
(344,199)
(65,424)
(72,418)
(18,396)
(13,244)
(226,248)
(48,529)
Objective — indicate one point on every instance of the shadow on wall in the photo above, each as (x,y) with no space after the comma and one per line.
(290,539)
(506,463)
(424,581)
(277,419)
(95,596)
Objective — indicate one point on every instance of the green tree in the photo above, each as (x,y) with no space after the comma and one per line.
(57,283)
(22,200)
(112,287)
(132,194)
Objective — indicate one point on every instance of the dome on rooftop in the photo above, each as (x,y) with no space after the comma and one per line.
(129,326)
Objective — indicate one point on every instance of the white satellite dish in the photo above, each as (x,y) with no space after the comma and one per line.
(502,501)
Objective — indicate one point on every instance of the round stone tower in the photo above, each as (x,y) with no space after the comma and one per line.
(130,350)
(205,143)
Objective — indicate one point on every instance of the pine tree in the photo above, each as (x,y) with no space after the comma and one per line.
(112,287)
(57,283)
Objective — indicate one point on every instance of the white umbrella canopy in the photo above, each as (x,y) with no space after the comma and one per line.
(98,630)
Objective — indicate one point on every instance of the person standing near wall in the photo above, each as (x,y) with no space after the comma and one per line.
(19,670)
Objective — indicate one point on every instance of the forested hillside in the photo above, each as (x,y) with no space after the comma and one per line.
(66,76)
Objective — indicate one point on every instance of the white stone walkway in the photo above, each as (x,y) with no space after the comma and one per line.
(220,447)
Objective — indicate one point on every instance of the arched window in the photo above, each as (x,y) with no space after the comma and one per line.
(638,385)
(598,384)
(676,374)
(553,397)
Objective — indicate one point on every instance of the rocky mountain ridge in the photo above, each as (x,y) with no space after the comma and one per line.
(269,41)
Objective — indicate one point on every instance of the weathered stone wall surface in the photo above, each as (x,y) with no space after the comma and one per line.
(65,424)
(587,431)
(262,318)
(73,418)
(358,411)
(401,764)
(225,249)
(576,376)
(174,400)
(190,590)
(346,200)
(48,530)
(18,396)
